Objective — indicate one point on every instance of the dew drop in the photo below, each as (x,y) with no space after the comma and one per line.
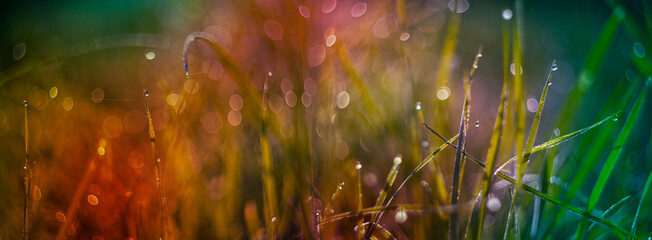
(507,14)
(549,83)
(554,67)
(479,55)
(358,166)
(25,103)
(418,106)
(615,119)
(146,93)
(150,55)
(273,219)
(475,65)
(397,160)
(269,74)
(476,124)
(404,36)
(400,217)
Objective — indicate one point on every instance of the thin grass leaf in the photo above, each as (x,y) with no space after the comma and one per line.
(157,171)
(644,199)
(377,210)
(358,168)
(239,76)
(562,139)
(611,161)
(391,177)
(607,213)
(596,146)
(270,199)
(457,174)
(521,162)
(356,79)
(614,228)
(26,179)
(492,158)
(329,206)
(414,171)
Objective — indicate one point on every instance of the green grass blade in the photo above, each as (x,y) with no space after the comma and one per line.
(561,139)
(642,203)
(607,213)
(596,146)
(614,228)
(492,158)
(458,162)
(521,162)
(611,160)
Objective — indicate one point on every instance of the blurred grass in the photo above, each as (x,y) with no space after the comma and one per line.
(239,149)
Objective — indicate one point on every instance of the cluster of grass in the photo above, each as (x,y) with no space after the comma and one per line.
(321,132)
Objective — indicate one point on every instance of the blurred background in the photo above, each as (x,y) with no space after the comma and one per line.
(345,78)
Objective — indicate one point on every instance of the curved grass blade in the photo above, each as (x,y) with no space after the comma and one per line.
(607,213)
(614,228)
(521,162)
(611,161)
(644,199)
(492,158)
(241,79)
(559,140)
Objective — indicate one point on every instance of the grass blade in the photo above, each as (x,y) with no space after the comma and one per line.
(564,138)
(391,177)
(414,171)
(157,171)
(644,199)
(492,158)
(359,84)
(457,174)
(358,168)
(607,213)
(521,162)
(534,191)
(26,179)
(611,161)
(596,146)
(270,199)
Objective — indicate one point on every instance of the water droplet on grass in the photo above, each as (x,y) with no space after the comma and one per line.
(397,160)
(554,67)
(358,166)
(25,103)
(476,124)
(146,93)
(418,106)
(507,14)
